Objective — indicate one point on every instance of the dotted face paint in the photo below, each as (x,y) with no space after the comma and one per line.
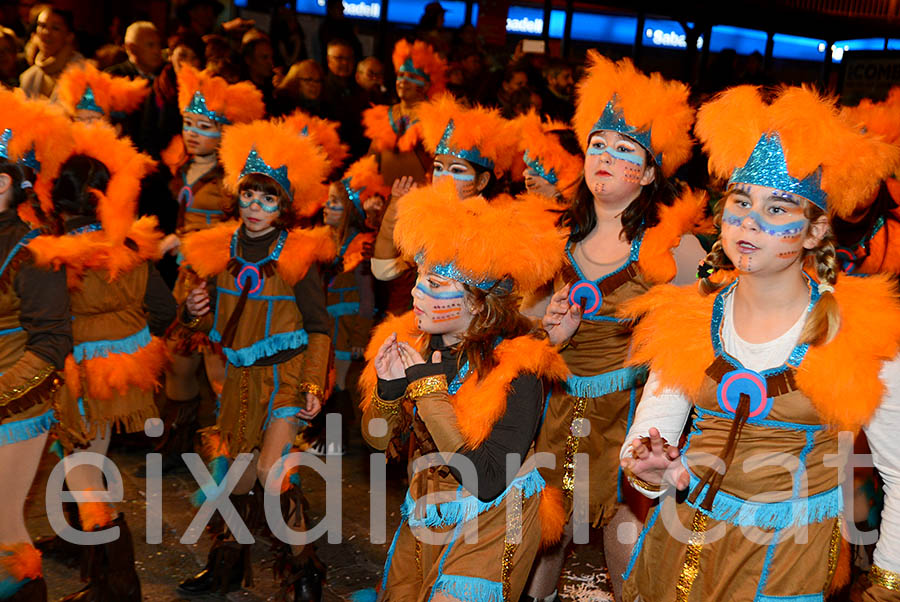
(791,229)
(440,306)
(632,175)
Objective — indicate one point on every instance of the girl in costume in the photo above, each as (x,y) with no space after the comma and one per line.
(463,374)
(774,355)
(868,241)
(396,137)
(88,94)
(35,334)
(554,163)
(351,293)
(120,305)
(627,234)
(266,308)
(473,146)
(208,103)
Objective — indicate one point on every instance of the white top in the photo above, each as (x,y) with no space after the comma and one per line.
(668,410)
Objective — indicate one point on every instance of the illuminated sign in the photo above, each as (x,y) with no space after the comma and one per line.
(797,48)
(839,48)
(410,11)
(530,21)
(362,10)
(742,41)
(667,34)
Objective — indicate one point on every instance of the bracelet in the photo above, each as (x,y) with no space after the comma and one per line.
(312,388)
(388,408)
(639,482)
(427,385)
(195,321)
(886,579)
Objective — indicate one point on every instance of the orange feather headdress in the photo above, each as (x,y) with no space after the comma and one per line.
(651,110)
(36,134)
(789,145)
(499,245)
(362,181)
(296,162)
(83,86)
(218,100)
(117,207)
(478,135)
(322,131)
(419,63)
(544,154)
(878,118)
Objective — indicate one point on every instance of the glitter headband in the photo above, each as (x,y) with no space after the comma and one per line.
(88,102)
(537,167)
(198,106)
(255,164)
(355,195)
(449,270)
(613,119)
(767,166)
(471,155)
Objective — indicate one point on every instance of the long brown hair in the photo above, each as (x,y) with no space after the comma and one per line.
(823,321)
(496,315)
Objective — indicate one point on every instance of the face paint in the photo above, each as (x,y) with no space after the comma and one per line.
(205,133)
(615,154)
(411,78)
(267,207)
(444,306)
(788,254)
(462,177)
(632,175)
(791,229)
(439,305)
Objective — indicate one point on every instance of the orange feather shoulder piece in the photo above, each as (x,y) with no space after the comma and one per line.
(868,336)
(302,249)
(174,155)
(686,215)
(207,251)
(353,256)
(407,329)
(672,335)
(378,129)
(479,404)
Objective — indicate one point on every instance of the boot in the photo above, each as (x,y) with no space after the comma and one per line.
(34,590)
(302,573)
(227,567)
(55,547)
(180,424)
(109,569)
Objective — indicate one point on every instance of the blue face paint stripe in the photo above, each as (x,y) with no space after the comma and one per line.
(247,204)
(462,177)
(769,228)
(630,157)
(434,295)
(206,133)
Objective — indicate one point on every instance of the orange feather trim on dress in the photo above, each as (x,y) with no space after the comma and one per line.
(687,215)
(480,402)
(673,338)
(553,515)
(95,251)
(118,372)
(377,126)
(208,251)
(21,561)
(174,155)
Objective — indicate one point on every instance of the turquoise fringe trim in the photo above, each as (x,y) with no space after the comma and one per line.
(801,598)
(9,587)
(364,595)
(345,356)
(23,430)
(247,356)
(130,344)
(218,468)
(606,383)
(470,589)
(772,515)
(347,308)
(465,508)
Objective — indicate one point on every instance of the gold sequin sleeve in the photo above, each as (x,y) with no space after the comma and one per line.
(884,586)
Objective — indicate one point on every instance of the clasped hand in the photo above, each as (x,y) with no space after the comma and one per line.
(394,357)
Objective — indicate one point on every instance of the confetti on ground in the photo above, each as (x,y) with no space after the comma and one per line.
(589,587)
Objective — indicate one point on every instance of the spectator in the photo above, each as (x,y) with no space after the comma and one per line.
(9,45)
(471,61)
(558,101)
(514,80)
(342,97)
(55,36)
(217,47)
(144,48)
(336,27)
(108,56)
(370,77)
(186,50)
(259,65)
(301,89)
(519,102)
(198,16)
(431,28)
(226,67)
(288,40)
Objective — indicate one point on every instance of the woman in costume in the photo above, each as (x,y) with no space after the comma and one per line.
(463,375)
(868,241)
(351,292)
(627,233)
(120,306)
(88,94)
(554,162)
(266,307)
(35,334)
(774,355)
(208,103)
(473,146)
